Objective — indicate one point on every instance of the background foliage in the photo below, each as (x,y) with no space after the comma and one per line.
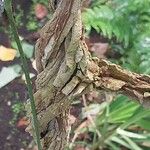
(127,24)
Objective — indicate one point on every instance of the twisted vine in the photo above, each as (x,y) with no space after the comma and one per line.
(67,70)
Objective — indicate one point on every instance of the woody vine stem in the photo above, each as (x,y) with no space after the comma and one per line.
(67,70)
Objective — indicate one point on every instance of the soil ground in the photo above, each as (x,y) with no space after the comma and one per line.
(11,136)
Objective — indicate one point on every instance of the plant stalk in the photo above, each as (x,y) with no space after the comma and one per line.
(8,8)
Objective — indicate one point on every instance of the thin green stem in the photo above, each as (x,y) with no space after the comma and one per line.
(8,8)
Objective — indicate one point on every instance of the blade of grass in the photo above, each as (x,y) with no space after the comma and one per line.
(106,123)
(120,141)
(138,114)
(131,143)
(130,134)
(113,146)
(8,8)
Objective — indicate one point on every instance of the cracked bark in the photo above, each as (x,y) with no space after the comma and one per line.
(66,70)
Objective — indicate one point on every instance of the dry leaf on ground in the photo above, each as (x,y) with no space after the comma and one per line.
(40,11)
(99,49)
(22,122)
(7,54)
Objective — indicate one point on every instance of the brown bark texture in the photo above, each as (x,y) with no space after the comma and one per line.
(66,70)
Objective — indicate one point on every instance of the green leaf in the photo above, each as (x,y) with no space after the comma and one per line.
(144,123)
(8,74)
(28,49)
(140,113)
(123,113)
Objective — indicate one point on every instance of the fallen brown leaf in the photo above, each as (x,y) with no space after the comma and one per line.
(7,54)
(22,122)
(40,11)
(99,49)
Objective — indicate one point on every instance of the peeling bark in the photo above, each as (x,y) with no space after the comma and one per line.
(67,70)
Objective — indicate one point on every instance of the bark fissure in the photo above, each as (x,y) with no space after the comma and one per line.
(67,70)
